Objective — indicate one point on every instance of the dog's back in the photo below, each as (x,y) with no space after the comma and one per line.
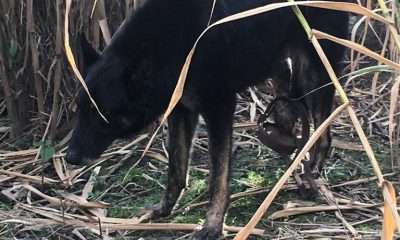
(231,56)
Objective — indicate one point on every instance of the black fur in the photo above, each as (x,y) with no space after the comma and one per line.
(133,80)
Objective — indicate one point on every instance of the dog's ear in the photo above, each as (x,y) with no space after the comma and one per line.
(89,54)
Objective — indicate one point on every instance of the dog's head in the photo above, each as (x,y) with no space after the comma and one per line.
(119,89)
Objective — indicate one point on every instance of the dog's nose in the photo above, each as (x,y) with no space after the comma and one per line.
(73,157)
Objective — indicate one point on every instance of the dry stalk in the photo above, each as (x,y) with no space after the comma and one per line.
(57,74)
(35,61)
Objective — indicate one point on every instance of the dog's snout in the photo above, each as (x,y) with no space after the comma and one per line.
(73,157)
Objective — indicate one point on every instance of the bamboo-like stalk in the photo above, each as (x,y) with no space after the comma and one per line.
(57,74)
(98,13)
(9,96)
(11,103)
(85,16)
(10,31)
(392,29)
(71,57)
(35,62)
(129,4)
(34,179)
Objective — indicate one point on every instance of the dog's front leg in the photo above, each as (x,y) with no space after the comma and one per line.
(181,128)
(218,118)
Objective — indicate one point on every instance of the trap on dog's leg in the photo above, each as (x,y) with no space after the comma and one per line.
(280,138)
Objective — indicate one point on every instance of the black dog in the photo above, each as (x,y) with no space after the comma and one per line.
(133,80)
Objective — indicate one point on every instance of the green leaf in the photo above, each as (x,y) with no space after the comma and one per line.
(13,49)
(397,15)
(368,70)
(47,153)
(47,150)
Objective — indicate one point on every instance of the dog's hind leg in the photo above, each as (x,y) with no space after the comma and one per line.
(319,104)
(218,117)
(182,125)
(320,151)
(321,109)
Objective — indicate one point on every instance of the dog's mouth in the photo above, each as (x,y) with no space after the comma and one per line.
(83,162)
(75,158)
(87,160)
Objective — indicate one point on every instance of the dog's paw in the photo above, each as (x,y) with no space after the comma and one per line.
(207,232)
(158,211)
